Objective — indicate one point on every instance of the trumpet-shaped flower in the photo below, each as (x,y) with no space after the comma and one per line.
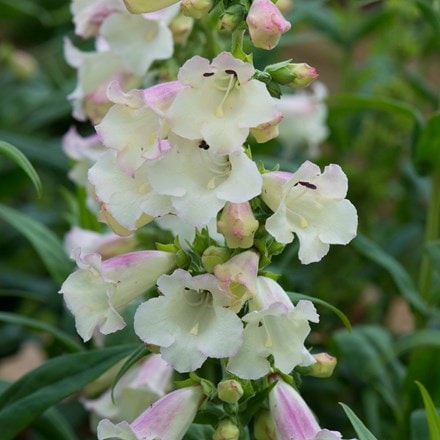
(167,419)
(107,244)
(189,321)
(203,182)
(139,40)
(95,71)
(133,125)
(304,119)
(274,327)
(225,103)
(311,205)
(292,418)
(238,277)
(130,200)
(137,389)
(99,290)
(88,15)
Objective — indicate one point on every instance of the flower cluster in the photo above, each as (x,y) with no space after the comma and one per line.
(177,155)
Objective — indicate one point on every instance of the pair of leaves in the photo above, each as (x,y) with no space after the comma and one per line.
(29,397)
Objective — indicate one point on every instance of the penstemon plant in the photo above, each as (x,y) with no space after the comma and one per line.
(173,152)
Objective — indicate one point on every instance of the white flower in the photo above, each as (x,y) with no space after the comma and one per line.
(274,327)
(137,39)
(129,199)
(95,71)
(106,244)
(167,419)
(136,390)
(304,119)
(224,102)
(99,290)
(89,14)
(199,182)
(133,126)
(190,321)
(311,205)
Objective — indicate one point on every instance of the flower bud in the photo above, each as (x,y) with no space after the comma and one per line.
(168,418)
(226,430)
(214,255)
(181,28)
(196,8)
(267,130)
(264,429)
(22,64)
(266,24)
(230,391)
(238,225)
(324,366)
(232,17)
(297,75)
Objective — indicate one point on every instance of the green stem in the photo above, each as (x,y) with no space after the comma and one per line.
(432,233)
(237,45)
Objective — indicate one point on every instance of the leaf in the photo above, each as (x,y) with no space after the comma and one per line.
(420,338)
(62,337)
(433,249)
(23,401)
(401,278)
(341,315)
(45,242)
(361,430)
(136,356)
(427,150)
(22,161)
(199,432)
(431,413)
(53,425)
(419,425)
(353,102)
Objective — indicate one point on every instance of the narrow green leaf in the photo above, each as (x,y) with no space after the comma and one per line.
(53,425)
(22,161)
(431,413)
(136,356)
(427,152)
(62,337)
(401,278)
(420,338)
(45,242)
(26,399)
(361,430)
(341,315)
(433,249)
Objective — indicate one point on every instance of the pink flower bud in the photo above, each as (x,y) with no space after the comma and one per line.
(266,24)
(238,225)
(168,418)
(292,418)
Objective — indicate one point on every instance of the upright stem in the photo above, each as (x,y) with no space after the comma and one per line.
(432,233)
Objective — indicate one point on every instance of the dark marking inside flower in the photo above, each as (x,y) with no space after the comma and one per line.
(231,72)
(306,184)
(204,145)
(206,74)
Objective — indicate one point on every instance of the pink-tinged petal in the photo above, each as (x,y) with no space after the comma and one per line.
(292,417)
